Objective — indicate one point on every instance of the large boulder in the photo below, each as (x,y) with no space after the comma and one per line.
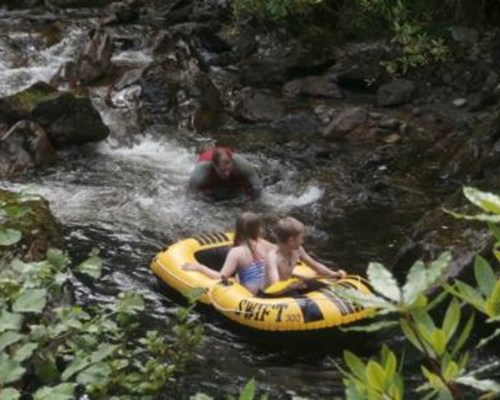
(258,106)
(93,61)
(175,89)
(19,106)
(314,86)
(347,121)
(70,119)
(395,93)
(24,146)
(67,118)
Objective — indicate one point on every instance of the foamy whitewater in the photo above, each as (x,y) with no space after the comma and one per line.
(139,186)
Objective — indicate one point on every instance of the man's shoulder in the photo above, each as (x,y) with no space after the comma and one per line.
(201,173)
(242,165)
(201,168)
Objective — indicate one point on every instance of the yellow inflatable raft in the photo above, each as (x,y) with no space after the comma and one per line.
(325,306)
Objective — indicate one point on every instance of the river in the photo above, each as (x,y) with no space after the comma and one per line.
(127,198)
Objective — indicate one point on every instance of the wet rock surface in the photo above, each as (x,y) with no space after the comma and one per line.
(23,147)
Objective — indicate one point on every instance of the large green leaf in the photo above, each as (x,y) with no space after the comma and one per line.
(451,370)
(492,303)
(376,326)
(10,321)
(58,258)
(437,268)
(436,301)
(355,365)
(486,201)
(9,394)
(129,303)
(8,338)
(96,373)
(484,274)
(383,282)
(63,391)
(194,294)
(389,361)
(451,319)
(92,266)
(410,334)
(367,300)
(10,370)
(438,341)
(467,293)
(25,351)
(496,251)
(375,375)
(416,283)
(8,236)
(432,378)
(79,362)
(104,350)
(464,335)
(424,319)
(248,392)
(201,396)
(31,300)
(490,218)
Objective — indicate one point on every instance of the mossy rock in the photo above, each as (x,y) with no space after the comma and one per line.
(39,228)
(29,97)
(18,106)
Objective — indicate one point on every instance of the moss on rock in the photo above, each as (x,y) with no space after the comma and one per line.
(40,230)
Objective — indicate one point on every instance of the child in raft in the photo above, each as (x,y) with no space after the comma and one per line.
(282,259)
(247,259)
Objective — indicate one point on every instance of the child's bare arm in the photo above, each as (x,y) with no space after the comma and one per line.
(228,269)
(272,268)
(201,268)
(231,264)
(320,268)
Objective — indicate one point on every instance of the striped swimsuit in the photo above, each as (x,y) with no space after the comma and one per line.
(253,276)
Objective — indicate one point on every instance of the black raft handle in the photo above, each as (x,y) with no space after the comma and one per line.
(224,281)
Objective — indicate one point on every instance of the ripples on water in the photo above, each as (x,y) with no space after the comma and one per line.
(129,202)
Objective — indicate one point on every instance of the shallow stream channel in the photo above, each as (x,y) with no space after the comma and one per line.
(127,198)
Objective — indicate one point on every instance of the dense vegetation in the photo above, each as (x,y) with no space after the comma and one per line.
(51,347)
(445,364)
(419,30)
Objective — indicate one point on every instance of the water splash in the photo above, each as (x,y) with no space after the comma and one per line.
(40,65)
(286,201)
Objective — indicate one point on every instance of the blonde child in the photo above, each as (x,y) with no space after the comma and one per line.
(282,259)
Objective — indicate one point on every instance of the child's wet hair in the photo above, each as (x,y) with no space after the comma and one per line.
(288,227)
(247,227)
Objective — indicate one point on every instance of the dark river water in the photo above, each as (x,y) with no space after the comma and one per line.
(129,202)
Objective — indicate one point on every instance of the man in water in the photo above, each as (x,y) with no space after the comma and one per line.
(221,174)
